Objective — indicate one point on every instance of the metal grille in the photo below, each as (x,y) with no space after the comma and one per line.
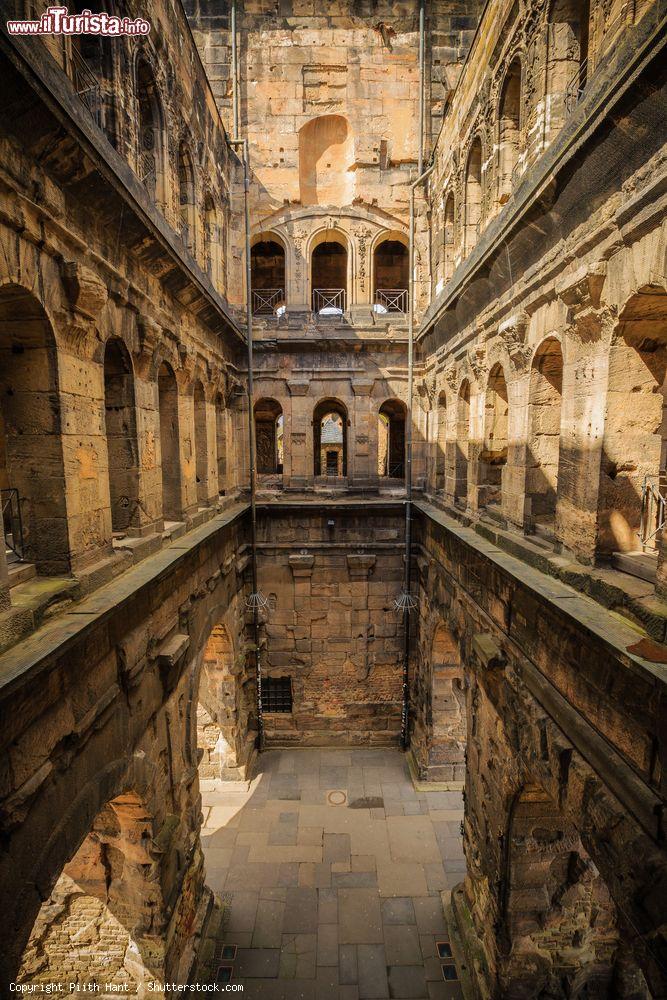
(12,523)
(86,86)
(329,301)
(654,494)
(265,301)
(276,694)
(392,299)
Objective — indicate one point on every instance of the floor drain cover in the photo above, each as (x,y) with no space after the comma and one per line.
(336,797)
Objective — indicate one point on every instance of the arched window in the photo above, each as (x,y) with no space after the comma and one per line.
(546,390)
(634,458)
(494,453)
(329,278)
(172,505)
(509,129)
(268,277)
(462,436)
(269,427)
(391,439)
(567,58)
(90,59)
(330,438)
(201,444)
(221,442)
(390,276)
(121,432)
(441,444)
(213,250)
(449,247)
(150,154)
(32,468)
(186,197)
(473,195)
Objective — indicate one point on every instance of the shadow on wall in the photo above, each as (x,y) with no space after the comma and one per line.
(325,158)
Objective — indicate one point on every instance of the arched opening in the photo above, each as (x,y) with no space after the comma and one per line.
(32,469)
(103,921)
(449,248)
(546,390)
(201,443)
(462,436)
(169,443)
(473,195)
(186,197)
(221,442)
(223,739)
(328,278)
(494,453)
(330,438)
(90,69)
(567,58)
(447,722)
(633,482)
(269,437)
(326,154)
(509,129)
(120,423)
(268,277)
(150,154)
(390,276)
(441,444)
(559,921)
(391,439)
(213,252)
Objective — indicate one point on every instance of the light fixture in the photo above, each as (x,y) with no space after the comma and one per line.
(405,602)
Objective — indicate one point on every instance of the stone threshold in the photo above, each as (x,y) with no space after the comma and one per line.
(424,785)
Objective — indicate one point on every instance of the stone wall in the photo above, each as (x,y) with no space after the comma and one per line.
(331,577)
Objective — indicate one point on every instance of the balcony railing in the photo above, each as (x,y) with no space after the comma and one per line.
(265,301)
(393,300)
(11,522)
(654,500)
(147,171)
(329,301)
(576,87)
(87,86)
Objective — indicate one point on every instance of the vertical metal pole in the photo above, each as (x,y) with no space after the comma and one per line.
(422,84)
(235,79)
(408,475)
(252,460)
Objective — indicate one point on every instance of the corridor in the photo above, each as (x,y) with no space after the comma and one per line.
(331,867)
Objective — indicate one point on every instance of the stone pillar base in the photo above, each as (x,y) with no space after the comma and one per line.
(467,951)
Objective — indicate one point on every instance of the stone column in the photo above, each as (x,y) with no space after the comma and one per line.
(146,365)
(301,437)
(210,392)
(362,435)
(513,334)
(186,431)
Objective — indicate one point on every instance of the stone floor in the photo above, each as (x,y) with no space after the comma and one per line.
(329,900)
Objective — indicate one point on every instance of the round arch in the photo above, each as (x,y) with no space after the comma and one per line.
(330,423)
(390,271)
(392,415)
(330,269)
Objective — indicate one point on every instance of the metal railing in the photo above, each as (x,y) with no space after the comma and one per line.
(11,521)
(147,171)
(654,498)
(265,301)
(87,86)
(329,301)
(392,299)
(576,87)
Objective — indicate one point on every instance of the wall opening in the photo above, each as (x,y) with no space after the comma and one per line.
(223,740)
(268,277)
(391,439)
(269,437)
(441,444)
(150,154)
(449,247)
(473,195)
(329,278)
(330,438)
(326,155)
(546,390)
(103,921)
(32,470)
(390,276)
(121,433)
(567,58)
(447,725)
(213,251)
(201,443)
(494,452)
(186,197)
(169,443)
(633,478)
(221,442)
(509,129)
(462,437)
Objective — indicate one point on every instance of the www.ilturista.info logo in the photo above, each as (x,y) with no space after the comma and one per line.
(58,21)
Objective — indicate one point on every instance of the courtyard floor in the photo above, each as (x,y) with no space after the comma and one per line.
(331,866)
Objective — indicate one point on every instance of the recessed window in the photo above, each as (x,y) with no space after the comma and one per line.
(277,694)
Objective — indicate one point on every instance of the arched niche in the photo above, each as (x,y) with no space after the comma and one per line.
(326,154)
(269,427)
(329,273)
(543,459)
(391,272)
(268,274)
(391,439)
(330,438)
(120,423)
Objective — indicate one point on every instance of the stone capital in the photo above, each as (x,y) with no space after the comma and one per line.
(298,386)
(301,564)
(582,288)
(360,565)
(488,652)
(87,294)
(362,386)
